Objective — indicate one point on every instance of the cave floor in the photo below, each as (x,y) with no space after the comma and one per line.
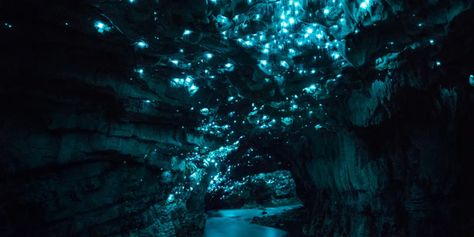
(237,222)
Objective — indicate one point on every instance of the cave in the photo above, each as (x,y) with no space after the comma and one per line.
(252,118)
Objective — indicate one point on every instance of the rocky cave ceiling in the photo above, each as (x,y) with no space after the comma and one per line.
(258,71)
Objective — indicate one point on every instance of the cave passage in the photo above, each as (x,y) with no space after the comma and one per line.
(237,223)
(261,197)
(188,118)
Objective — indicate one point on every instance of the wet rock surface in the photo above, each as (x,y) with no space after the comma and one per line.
(291,221)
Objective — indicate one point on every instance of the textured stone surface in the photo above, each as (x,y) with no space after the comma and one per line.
(264,189)
(92,146)
(82,152)
(398,161)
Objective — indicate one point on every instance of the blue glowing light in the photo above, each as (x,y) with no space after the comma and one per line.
(187,32)
(101,27)
(174,61)
(223,20)
(208,55)
(193,89)
(284,64)
(471,80)
(204,111)
(170,198)
(141,44)
(310,89)
(287,121)
(365,4)
(187,83)
(325,11)
(188,79)
(229,67)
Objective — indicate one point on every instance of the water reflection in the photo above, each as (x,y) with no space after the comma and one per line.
(236,223)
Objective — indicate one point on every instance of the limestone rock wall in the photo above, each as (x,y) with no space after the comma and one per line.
(85,150)
(397,159)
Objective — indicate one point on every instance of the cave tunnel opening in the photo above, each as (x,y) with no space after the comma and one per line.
(249,195)
(250,177)
(287,117)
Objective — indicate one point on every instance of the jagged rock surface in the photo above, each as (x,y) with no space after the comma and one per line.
(81,152)
(88,148)
(398,161)
(264,189)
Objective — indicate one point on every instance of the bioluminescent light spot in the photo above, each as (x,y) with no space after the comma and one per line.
(287,121)
(101,27)
(193,89)
(229,67)
(174,61)
(208,55)
(365,4)
(8,25)
(326,11)
(140,71)
(284,64)
(291,20)
(187,32)
(170,198)
(141,44)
